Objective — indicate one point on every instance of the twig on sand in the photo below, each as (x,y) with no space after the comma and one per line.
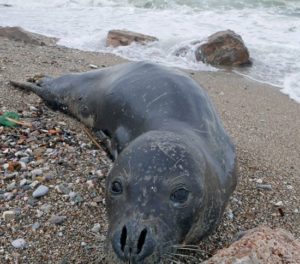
(18,122)
(91,137)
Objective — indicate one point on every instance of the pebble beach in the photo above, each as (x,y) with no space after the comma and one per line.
(52,173)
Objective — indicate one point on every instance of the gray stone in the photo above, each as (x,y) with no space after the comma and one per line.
(57,219)
(63,188)
(40,191)
(8,196)
(36,172)
(46,208)
(264,187)
(35,226)
(25,159)
(23,182)
(11,186)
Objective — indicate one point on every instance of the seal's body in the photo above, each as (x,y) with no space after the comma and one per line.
(174,167)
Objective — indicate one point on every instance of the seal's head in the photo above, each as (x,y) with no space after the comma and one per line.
(161,193)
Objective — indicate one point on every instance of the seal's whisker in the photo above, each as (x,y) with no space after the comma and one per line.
(186,245)
(194,249)
(184,256)
(171,258)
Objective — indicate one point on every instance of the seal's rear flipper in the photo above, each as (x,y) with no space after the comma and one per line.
(42,91)
(27,86)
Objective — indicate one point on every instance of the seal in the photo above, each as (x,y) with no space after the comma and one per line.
(174,168)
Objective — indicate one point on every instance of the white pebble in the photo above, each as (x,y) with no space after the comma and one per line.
(259,181)
(280,203)
(19,243)
(93,66)
(34,184)
(8,196)
(40,191)
(230,214)
(23,165)
(36,172)
(32,108)
(99,173)
(90,184)
(96,228)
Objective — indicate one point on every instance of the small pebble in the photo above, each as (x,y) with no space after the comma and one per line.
(8,196)
(90,184)
(264,186)
(96,228)
(75,198)
(99,173)
(57,219)
(34,184)
(32,108)
(9,215)
(63,188)
(93,66)
(259,181)
(11,186)
(35,226)
(46,208)
(23,182)
(40,191)
(36,172)
(23,165)
(280,203)
(39,213)
(230,214)
(19,243)
(24,160)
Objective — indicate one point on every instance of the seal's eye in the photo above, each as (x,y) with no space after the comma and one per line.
(116,187)
(180,195)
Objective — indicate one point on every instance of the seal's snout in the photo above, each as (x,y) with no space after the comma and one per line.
(132,246)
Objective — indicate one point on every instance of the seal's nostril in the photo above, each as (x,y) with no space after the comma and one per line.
(141,240)
(123,238)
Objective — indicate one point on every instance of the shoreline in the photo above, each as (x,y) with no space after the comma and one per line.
(263,122)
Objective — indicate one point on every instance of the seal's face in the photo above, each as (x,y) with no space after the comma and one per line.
(154,195)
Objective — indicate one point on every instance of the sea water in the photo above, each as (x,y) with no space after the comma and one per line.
(269,28)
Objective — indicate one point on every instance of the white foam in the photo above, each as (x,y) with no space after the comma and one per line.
(291,83)
(270,29)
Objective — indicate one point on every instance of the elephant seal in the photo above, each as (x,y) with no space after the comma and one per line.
(174,168)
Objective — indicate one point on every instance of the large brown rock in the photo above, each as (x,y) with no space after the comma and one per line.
(117,38)
(19,34)
(224,48)
(261,245)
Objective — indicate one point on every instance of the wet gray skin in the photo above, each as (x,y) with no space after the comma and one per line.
(174,168)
